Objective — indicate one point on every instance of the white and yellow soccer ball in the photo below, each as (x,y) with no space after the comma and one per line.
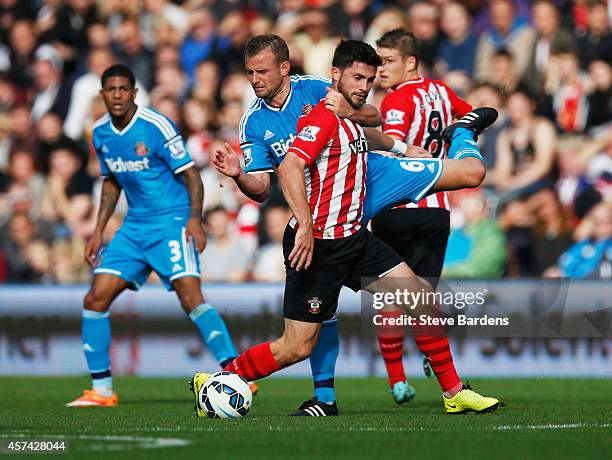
(225,395)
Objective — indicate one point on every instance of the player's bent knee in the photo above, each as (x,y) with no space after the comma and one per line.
(95,301)
(188,301)
(189,293)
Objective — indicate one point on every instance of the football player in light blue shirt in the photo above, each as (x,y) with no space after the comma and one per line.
(266,132)
(141,152)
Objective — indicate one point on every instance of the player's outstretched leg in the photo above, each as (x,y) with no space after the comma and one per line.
(323,366)
(96,335)
(395,180)
(296,344)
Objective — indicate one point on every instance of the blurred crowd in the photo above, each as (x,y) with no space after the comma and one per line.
(546,208)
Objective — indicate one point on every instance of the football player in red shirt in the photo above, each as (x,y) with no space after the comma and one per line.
(326,244)
(416,111)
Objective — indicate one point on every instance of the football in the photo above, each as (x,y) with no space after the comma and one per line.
(225,395)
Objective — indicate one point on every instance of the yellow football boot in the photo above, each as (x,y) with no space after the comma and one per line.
(195,384)
(468,400)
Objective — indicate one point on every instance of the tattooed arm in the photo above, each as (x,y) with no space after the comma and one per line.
(108,200)
(194,229)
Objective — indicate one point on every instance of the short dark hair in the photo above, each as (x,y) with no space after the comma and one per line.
(274,43)
(118,70)
(350,51)
(402,40)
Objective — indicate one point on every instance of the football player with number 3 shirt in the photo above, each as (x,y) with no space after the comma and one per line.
(142,154)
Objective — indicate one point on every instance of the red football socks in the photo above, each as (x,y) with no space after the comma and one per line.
(255,363)
(391,341)
(437,351)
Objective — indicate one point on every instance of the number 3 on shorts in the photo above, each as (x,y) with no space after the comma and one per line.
(412,166)
(175,250)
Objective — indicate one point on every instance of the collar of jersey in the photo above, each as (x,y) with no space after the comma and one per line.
(410,82)
(128,126)
(285,104)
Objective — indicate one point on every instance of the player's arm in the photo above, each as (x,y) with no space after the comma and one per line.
(195,188)
(108,201)
(366,115)
(314,133)
(172,150)
(378,140)
(255,186)
(293,183)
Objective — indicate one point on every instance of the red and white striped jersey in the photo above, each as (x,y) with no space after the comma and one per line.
(417,111)
(335,152)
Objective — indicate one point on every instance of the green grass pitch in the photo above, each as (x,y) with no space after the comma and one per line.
(542,419)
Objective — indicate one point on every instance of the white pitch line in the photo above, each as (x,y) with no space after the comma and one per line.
(551,426)
(261,428)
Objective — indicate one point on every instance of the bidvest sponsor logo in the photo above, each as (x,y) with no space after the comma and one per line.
(120,165)
(281,147)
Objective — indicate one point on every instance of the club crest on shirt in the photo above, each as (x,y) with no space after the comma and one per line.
(306,108)
(177,148)
(248,157)
(309,133)
(314,305)
(394,117)
(141,149)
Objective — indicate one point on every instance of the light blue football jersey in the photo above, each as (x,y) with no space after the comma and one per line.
(146,158)
(266,132)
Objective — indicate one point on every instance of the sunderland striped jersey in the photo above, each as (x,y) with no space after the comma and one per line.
(335,151)
(417,111)
(146,158)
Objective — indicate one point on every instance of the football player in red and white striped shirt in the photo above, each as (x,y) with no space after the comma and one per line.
(335,151)
(326,246)
(416,111)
